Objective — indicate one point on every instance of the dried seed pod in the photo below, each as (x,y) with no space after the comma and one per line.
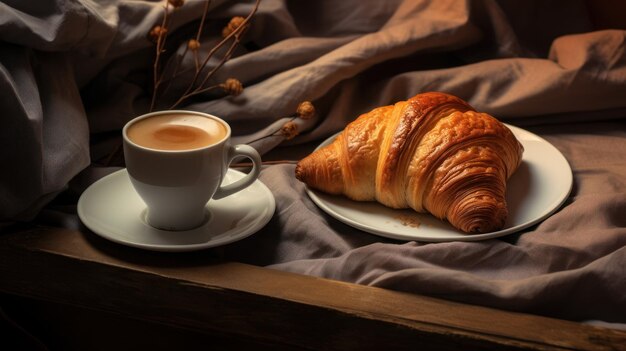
(289,130)
(305,110)
(232,86)
(232,26)
(193,44)
(156,32)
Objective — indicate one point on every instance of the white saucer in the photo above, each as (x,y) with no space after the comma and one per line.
(112,209)
(537,189)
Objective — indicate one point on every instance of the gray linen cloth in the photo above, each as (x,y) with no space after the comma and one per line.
(73,72)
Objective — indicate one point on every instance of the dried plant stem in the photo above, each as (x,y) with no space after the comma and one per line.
(212,87)
(158,76)
(199,33)
(204,14)
(272,134)
(179,60)
(199,81)
(159,49)
(196,59)
(192,88)
(176,72)
(226,57)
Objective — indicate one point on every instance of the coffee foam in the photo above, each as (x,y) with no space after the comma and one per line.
(176,132)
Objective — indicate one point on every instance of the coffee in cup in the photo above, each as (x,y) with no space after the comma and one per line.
(175,131)
(177,161)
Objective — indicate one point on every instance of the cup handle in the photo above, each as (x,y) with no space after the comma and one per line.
(233,152)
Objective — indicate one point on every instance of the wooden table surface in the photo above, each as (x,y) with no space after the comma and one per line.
(278,310)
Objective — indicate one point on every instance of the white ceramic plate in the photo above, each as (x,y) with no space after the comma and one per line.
(538,188)
(112,209)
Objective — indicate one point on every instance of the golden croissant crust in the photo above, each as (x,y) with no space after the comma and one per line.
(433,153)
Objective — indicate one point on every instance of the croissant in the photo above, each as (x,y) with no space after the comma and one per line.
(433,153)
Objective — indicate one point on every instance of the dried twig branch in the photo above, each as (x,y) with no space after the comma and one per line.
(195,45)
(160,32)
(289,129)
(231,38)
(236,32)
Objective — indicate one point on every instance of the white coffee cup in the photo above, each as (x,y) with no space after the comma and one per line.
(177,161)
